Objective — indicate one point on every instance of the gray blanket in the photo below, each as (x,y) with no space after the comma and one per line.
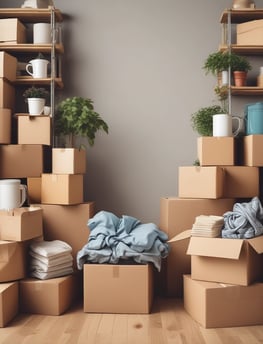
(112,239)
(245,221)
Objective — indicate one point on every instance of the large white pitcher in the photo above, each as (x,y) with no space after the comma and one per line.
(37,68)
(12,194)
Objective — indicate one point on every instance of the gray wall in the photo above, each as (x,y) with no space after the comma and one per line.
(141,62)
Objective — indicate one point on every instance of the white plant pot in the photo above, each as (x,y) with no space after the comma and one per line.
(36,106)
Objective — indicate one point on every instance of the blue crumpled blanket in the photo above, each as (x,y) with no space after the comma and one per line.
(112,238)
(245,221)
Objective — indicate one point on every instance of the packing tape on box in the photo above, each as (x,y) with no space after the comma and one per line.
(115,272)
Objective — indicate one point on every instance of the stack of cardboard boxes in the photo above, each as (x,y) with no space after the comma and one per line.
(218,278)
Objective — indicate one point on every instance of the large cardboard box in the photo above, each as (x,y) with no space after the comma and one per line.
(13,261)
(68,161)
(68,223)
(21,224)
(250,33)
(62,188)
(8,66)
(7,94)
(12,31)
(5,126)
(22,161)
(216,151)
(34,190)
(200,182)
(48,297)
(253,150)
(112,288)
(177,215)
(232,261)
(215,305)
(34,129)
(241,182)
(8,302)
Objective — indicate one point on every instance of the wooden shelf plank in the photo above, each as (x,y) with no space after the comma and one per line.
(28,80)
(27,48)
(243,49)
(247,91)
(242,15)
(31,15)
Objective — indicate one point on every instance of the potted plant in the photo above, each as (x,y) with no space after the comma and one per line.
(202,120)
(76,117)
(240,67)
(36,98)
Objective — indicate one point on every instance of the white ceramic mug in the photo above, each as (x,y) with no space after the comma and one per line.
(37,68)
(41,33)
(12,194)
(223,125)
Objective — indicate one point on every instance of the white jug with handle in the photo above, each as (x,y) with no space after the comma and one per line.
(12,194)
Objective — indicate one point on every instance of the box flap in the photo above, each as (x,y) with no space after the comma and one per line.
(215,247)
(257,244)
(181,236)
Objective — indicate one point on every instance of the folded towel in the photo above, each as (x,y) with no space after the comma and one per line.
(52,261)
(53,274)
(207,226)
(49,249)
(37,265)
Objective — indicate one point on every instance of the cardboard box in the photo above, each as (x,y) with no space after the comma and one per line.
(250,33)
(8,302)
(232,261)
(13,261)
(22,161)
(21,224)
(216,151)
(7,94)
(68,223)
(62,188)
(34,129)
(201,182)
(8,66)
(12,31)
(253,150)
(118,288)
(34,190)
(47,297)
(5,126)
(241,182)
(215,305)
(68,161)
(177,215)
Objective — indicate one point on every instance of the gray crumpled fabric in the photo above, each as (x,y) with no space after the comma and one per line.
(245,221)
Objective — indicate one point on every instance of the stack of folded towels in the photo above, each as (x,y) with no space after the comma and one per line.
(50,259)
(207,226)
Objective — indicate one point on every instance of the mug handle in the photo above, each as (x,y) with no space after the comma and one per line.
(23,194)
(27,69)
(238,130)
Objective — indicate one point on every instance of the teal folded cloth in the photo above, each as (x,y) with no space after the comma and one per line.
(112,239)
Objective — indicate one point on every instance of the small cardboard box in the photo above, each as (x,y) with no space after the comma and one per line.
(5,126)
(215,305)
(253,150)
(68,223)
(34,190)
(13,261)
(62,188)
(48,297)
(12,31)
(232,261)
(8,302)
(216,151)
(7,94)
(23,161)
(200,182)
(68,161)
(118,288)
(241,182)
(34,129)
(21,224)
(250,33)
(8,66)
(177,215)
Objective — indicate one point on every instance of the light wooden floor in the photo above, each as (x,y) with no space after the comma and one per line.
(168,323)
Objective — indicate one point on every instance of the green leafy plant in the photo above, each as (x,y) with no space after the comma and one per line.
(76,116)
(36,92)
(202,120)
(239,63)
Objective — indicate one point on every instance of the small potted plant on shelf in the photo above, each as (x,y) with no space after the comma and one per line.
(76,117)
(36,98)
(240,67)
(202,120)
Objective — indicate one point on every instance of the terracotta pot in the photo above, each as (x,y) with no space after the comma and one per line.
(240,78)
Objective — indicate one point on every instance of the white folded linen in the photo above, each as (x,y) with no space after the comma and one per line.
(52,261)
(52,274)
(53,248)
(37,265)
